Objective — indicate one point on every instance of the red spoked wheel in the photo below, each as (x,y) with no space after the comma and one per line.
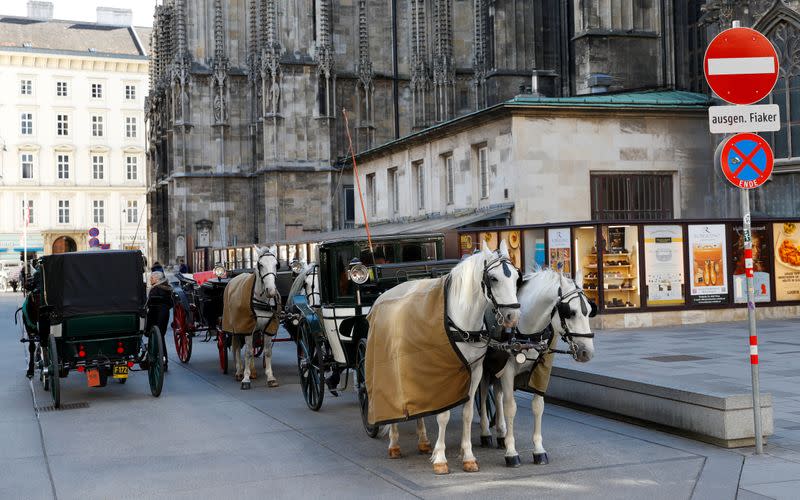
(223,352)
(258,344)
(180,331)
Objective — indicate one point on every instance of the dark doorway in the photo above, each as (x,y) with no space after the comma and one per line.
(64,244)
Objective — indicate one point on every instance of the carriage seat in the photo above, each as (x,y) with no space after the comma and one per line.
(185,278)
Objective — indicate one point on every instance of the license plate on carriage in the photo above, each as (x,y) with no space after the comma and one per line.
(120,371)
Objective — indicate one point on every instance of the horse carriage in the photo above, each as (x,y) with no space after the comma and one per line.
(77,319)
(328,303)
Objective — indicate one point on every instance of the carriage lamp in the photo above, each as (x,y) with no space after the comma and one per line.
(219,271)
(358,273)
(296,266)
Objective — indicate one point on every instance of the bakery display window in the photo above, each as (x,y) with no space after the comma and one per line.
(586,256)
(620,266)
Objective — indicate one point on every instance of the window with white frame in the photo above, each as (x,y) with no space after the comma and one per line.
(63,211)
(418,173)
(371,201)
(62,89)
(62,166)
(98,167)
(130,92)
(97,126)
(133,211)
(449,178)
(26,87)
(130,127)
(27,212)
(97,91)
(62,124)
(26,165)
(99,211)
(483,171)
(26,123)
(393,188)
(131,168)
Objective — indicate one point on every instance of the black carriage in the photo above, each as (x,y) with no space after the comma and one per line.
(331,338)
(197,308)
(86,312)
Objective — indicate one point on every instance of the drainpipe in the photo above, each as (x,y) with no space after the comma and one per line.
(395,76)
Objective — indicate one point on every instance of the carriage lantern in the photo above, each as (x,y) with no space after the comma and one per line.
(296,267)
(219,271)
(358,273)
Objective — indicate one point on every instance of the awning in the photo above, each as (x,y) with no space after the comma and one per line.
(428,225)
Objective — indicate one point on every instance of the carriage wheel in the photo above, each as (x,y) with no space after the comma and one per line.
(180,331)
(363,398)
(53,371)
(309,364)
(258,343)
(155,358)
(223,352)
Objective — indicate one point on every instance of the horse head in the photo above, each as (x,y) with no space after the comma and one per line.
(311,285)
(266,269)
(499,284)
(570,319)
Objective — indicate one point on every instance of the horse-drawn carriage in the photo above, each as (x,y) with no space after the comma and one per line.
(76,318)
(328,303)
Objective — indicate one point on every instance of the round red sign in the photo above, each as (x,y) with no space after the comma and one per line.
(746,160)
(741,66)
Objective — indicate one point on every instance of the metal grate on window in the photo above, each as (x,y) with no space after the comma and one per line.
(631,196)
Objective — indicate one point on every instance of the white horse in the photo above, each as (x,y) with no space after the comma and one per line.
(311,287)
(547,298)
(485,279)
(265,295)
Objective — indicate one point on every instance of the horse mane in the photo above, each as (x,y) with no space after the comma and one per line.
(466,277)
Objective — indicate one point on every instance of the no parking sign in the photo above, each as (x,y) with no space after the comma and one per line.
(746,160)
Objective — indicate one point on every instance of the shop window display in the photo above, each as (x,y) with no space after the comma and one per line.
(586,261)
(620,266)
(533,249)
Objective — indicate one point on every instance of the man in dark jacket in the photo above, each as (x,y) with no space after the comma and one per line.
(159,302)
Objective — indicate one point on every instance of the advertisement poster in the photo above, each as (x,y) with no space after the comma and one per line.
(513,241)
(616,239)
(760,265)
(707,259)
(663,258)
(465,244)
(787,260)
(558,242)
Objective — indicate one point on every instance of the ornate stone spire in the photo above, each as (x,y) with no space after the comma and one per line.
(364,68)
(270,57)
(479,57)
(325,59)
(443,67)
(219,66)
(419,63)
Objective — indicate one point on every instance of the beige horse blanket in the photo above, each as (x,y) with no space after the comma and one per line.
(538,379)
(412,367)
(238,315)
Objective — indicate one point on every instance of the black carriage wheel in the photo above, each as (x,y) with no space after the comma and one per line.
(155,361)
(309,364)
(363,397)
(181,333)
(223,352)
(103,373)
(491,409)
(122,380)
(42,361)
(53,370)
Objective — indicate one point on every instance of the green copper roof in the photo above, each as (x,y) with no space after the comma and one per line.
(648,99)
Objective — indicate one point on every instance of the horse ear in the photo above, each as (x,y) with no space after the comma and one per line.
(274,250)
(256,249)
(503,248)
(485,250)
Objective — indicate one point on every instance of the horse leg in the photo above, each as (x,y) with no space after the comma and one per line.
(510,410)
(539,453)
(237,361)
(394,441)
(486,434)
(469,463)
(271,380)
(500,414)
(439,458)
(423,444)
(248,361)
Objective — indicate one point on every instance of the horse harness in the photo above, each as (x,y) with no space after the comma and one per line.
(564,312)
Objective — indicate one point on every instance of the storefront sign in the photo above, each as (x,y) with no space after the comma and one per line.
(707,264)
(734,119)
(760,265)
(787,260)
(663,257)
(558,242)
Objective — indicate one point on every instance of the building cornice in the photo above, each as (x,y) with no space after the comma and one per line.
(67,60)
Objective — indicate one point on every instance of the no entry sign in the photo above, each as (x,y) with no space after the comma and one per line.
(746,160)
(741,66)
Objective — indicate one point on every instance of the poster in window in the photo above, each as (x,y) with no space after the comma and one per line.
(558,242)
(787,260)
(465,244)
(616,239)
(663,259)
(512,239)
(760,265)
(490,239)
(707,259)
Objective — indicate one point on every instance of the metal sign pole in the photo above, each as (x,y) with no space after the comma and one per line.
(751,316)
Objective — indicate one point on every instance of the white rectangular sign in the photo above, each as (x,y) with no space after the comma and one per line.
(741,66)
(735,119)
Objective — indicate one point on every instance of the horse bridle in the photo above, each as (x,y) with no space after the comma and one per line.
(313,274)
(562,308)
(486,284)
(261,276)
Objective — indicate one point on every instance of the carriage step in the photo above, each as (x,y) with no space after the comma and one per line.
(64,406)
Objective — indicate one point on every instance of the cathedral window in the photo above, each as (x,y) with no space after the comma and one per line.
(483,170)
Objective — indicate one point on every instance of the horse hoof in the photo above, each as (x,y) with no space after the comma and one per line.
(513,461)
(394,452)
(253,376)
(272,383)
(540,459)
(245,386)
(487,442)
(239,378)
(471,466)
(424,447)
(501,442)
(441,469)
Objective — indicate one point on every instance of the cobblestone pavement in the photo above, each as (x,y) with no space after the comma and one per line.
(205,438)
